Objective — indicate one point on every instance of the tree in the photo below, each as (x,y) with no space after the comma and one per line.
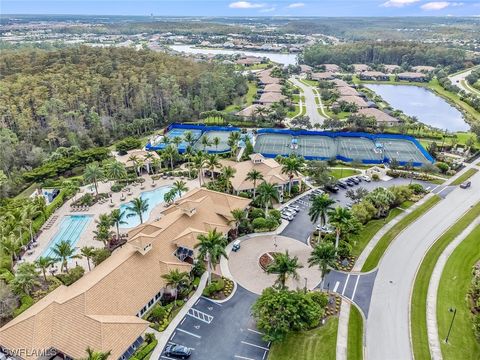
(356,195)
(232,141)
(25,279)
(211,247)
(321,205)
(189,138)
(278,312)
(324,256)
(138,207)
(169,196)
(176,279)
(212,163)
(88,252)
(96,355)
(43,263)
(266,194)
(10,246)
(199,162)
(8,301)
(238,215)
(179,186)
(116,217)
(285,266)
(339,218)
(29,213)
(254,176)
(115,170)
(170,152)
(216,142)
(227,174)
(291,166)
(63,251)
(93,174)
(205,141)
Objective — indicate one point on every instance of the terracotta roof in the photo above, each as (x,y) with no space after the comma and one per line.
(357,100)
(269,168)
(379,115)
(332,67)
(250,60)
(99,310)
(250,110)
(322,76)
(340,83)
(271,97)
(373,74)
(412,75)
(347,91)
(273,88)
(422,68)
(305,68)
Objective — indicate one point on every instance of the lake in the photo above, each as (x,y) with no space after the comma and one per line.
(286,59)
(417,101)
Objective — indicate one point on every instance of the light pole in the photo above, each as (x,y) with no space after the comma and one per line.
(454,311)
(305,288)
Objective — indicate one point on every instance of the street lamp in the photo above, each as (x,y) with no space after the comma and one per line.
(454,311)
(305,288)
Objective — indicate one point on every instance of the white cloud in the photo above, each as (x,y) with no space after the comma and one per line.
(245,5)
(439,5)
(266,10)
(295,5)
(399,3)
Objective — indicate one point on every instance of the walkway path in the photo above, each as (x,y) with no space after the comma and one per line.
(310,102)
(342,332)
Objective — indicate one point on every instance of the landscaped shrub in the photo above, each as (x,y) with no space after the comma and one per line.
(72,276)
(417,188)
(127,144)
(142,354)
(244,195)
(276,214)
(375,177)
(198,268)
(117,187)
(270,223)
(318,297)
(6,274)
(295,190)
(256,213)
(442,166)
(157,314)
(100,255)
(259,223)
(25,302)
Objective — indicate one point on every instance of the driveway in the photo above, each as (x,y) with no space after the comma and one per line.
(387,328)
(221,331)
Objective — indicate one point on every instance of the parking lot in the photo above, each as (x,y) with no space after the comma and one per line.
(221,331)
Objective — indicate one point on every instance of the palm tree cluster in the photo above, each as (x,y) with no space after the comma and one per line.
(105,222)
(211,248)
(177,189)
(284,266)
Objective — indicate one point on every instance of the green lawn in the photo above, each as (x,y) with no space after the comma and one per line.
(418,306)
(342,173)
(245,100)
(454,285)
(355,335)
(369,231)
(313,83)
(377,252)
(316,344)
(465,176)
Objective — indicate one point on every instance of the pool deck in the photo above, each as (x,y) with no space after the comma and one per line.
(86,238)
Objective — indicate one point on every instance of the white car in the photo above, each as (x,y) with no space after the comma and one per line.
(287,217)
(293,207)
(366,178)
(326,229)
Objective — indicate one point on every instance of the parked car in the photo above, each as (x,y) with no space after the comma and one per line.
(289,212)
(294,207)
(366,178)
(342,184)
(359,178)
(287,217)
(355,180)
(332,188)
(178,351)
(327,229)
(349,182)
(466,184)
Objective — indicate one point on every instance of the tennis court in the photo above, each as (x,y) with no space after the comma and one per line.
(180,133)
(318,146)
(357,149)
(274,144)
(401,150)
(222,146)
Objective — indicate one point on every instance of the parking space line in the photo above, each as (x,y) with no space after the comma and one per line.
(189,333)
(345,286)
(181,323)
(243,357)
(355,288)
(257,346)
(256,332)
(200,315)
(264,355)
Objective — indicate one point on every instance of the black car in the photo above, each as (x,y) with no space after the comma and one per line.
(355,180)
(177,351)
(350,182)
(332,188)
(342,184)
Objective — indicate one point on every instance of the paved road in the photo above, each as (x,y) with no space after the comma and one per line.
(310,103)
(221,331)
(387,330)
(457,80)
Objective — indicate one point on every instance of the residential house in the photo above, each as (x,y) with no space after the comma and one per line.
(251,111)
(358,68)
(276,88)
(322,76)
(269,98)
(380,116)
(347,91)
(103,309)
(340,83)
(423,68)
(249,61)
(391,68)
(357,100)
(374,75)
(333,68)
(412,76)
(305,69)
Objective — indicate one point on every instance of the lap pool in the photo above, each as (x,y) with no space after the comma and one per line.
(153,197)
(71,228)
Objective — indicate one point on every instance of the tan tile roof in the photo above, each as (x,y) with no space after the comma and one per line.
(360,67)
(269,168)
(273,88)
(347,91)
(250,110)
(391,68)
(340,83)
(322,76)
(412,75)
(271,97)
(99,309)
(332,67)
(379,115)
(357,100)
(422,68)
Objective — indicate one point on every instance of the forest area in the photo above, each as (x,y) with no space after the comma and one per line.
(397,53)
(87,97)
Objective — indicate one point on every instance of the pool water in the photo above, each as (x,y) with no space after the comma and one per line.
(153,197)
(71,228)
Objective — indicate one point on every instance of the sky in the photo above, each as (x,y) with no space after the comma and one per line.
(245,8)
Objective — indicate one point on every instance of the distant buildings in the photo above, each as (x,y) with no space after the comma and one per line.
(374,75)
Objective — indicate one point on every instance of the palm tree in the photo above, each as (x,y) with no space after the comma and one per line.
(93,173)
(266,194)
(43,263)
(25,279)
(170,152)
(291,166)
(63,251)
(116,217)
(10,246)
(227,174)
(211,247)
(216,142)
(254,175)
(205,141)
(134,159)
(177,141)
(156,164)
(320,207)
(29,213)
(238,215)
(169,196)
(176,279)
(339,218)
(179,186)
(323,255)
(88,252)
(189,138)
(138,207)
(96,355)
(199,162)
(115,170)
(285,266)
(233,140)
(212,163)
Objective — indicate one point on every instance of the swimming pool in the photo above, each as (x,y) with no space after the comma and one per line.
(153,197)
(71,228)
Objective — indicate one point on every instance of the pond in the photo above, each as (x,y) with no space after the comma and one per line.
(286,59)
(417,101)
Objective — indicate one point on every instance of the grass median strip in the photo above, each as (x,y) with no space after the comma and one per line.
(418,309)
(320,343)
(382,245)
(355,335)
(454,285)
(465,176)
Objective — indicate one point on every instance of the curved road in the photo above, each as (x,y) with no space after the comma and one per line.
(459,78)
(311,105)
(388,330)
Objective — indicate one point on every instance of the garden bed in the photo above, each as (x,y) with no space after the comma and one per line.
(219,289)
(266,259)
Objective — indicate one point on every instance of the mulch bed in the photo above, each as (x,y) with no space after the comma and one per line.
(333,307)
(266,259)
